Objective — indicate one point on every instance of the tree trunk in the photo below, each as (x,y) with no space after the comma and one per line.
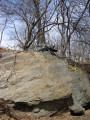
(41,35)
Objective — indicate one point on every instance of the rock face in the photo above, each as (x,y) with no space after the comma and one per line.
(46,49)
(41,84)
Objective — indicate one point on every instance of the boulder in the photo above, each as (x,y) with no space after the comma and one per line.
(41,84)
(80,90)
(46,49)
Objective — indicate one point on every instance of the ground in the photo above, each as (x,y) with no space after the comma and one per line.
(60,116)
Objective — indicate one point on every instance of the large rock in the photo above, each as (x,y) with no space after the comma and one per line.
(42,84)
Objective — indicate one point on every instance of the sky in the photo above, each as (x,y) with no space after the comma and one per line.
(6,40)
(7,34)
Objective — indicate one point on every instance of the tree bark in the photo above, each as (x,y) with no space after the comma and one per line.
(41,36)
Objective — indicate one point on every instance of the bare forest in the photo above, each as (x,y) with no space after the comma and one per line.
(62,23)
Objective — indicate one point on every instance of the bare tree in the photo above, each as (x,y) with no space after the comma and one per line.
(27,13)
(31,19)
(41,36)
(2,30)
(69,15)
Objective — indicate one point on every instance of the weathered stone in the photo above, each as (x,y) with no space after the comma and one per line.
(80,90)
(77,109)
(47,49)
(42,81)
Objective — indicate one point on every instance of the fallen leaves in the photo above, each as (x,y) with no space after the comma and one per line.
(73,68)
